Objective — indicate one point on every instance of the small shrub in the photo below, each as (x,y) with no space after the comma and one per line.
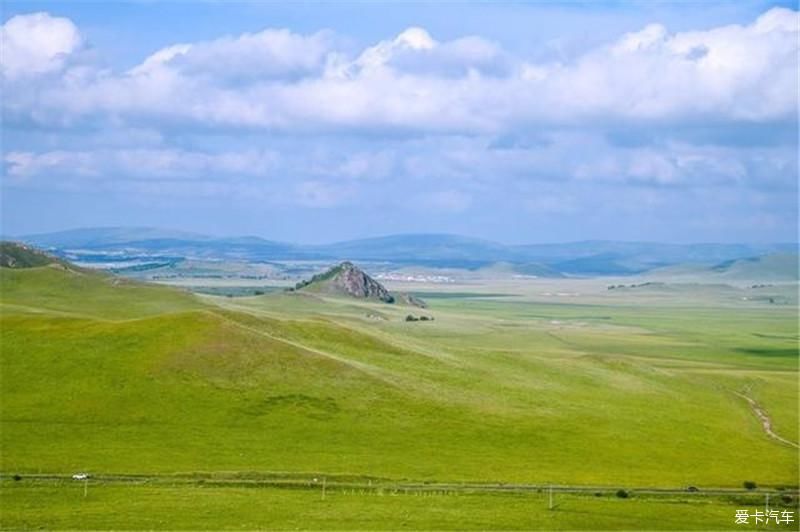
(749,485)
(411,318)
(423,318)
(17,478)
(259,292)
(786,498)
(622,494)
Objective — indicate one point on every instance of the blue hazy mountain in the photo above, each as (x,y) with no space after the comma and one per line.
(106,236)
(162,242)
(436,250)
(430,249)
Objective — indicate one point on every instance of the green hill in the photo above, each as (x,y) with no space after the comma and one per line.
(171,382)
(774,267)
(110,376)
(67,291)
(16,255)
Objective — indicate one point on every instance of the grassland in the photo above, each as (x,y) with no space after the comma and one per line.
(236,507)
(632,390)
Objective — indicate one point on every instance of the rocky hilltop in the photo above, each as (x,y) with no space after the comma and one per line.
(349,280)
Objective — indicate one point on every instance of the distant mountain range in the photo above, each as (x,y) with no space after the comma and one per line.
(432,250)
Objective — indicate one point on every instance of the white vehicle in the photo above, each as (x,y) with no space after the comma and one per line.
(80,476)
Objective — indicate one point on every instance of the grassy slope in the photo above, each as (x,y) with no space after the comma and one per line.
(778,266)
(110,377)
(56,291)
(15,255)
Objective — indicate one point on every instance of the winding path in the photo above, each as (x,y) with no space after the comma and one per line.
(766,422)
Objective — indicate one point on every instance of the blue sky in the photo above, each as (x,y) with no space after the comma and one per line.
(313,122)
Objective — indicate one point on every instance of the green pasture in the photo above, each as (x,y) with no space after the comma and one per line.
(110,376)
(66,505)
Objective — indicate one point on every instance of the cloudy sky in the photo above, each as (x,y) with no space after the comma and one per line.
(316,122)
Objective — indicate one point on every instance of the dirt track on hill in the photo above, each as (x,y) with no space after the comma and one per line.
(766,422)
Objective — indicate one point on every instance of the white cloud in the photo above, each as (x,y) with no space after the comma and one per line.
(653,167)
(161,58)
(468,165)
(321,194)
(147,163)
(465,110)
(414,39)
(37,43)
(366,165)
(778,19)
(451,201)
(269,54)
(415,52)
(278,80)
(728,73)
(649,37)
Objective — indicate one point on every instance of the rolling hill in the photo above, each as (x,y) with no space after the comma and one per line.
(773,267)
(93,237)
(431,250)
(113,377)
(166,381)
(17,255)
(426,249)
(116,241)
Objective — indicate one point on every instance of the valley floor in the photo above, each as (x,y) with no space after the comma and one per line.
(199,506)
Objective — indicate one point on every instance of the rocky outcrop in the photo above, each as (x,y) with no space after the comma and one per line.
(412,300)
(347,279)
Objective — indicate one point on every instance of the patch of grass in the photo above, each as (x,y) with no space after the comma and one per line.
(771,352)
(60,506)
(458,295)
(236,291)
(82,292)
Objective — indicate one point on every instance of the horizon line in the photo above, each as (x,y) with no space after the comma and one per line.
(6,237)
